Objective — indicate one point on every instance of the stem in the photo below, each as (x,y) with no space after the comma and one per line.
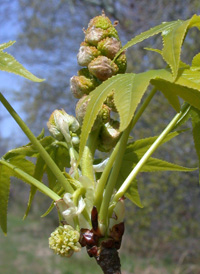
(145,157)
(46,157)
(31,180)
(102,181)
(120,149)
(109,261)
(88,155)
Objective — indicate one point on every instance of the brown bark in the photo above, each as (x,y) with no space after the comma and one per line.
(109,261)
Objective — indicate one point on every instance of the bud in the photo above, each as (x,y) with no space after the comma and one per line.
(65,241)
(109,47)
(81,85)
(86,55)
(102,117)
(100,21)
(60,125)
(102,68)
(109,136)
(121,63)
(94,35)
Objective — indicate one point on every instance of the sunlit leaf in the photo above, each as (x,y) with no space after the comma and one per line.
(120,83)
(133,195)
(173,39)
(10,64)
(128,90)
(172,42)
(196,62)
(166,26)
(38,174)
(6,45)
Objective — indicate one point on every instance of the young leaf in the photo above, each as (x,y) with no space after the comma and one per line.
(9,64)
(173,40)
(120,83)
(142,145)
(190,95)
(128,91)
(196,62)
(195,115)
(133,195)
(6,45)
(38,174)
(166,26)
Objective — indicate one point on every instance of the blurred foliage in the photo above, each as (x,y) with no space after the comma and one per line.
(51,32)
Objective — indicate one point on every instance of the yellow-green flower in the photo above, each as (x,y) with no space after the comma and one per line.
(65,241)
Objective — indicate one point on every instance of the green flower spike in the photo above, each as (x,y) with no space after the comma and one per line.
(65,241)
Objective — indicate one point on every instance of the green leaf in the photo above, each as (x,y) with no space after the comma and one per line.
(29,150)
(128,91)
(195,115)
(173,39)
(190,95)
(9,64)
(133,195)
(51,207)
(166,26)
(38,174)
(135,151)
(6,45)
(120,83)
(153,165)
(142,145)
(196,62)
(4,195)
(5,174)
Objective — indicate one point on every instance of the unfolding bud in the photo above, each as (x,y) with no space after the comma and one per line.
(121,63)
(100,21)
(109,136)
(81,85)
(60,125)
(65,241)
(102,117)
(86,55)
(102,68)
(94,35)
(109,47)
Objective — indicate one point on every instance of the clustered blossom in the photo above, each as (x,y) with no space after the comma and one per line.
(65,241)
(97,55)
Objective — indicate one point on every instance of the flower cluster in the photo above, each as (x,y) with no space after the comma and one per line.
(65,241)
(96,55)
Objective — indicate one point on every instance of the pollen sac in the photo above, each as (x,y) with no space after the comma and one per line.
(86,55)
(109,47)
(109,135)
(102,68)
